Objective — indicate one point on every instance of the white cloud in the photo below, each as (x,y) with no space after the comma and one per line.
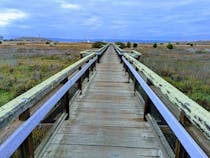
(7,16)
(67,5)
(92,21)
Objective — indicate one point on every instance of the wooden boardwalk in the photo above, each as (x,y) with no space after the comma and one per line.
(107,121)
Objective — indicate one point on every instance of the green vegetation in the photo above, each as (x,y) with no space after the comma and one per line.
(0,42)
(135,45)
(170,46)
(155,45)
(24,72)
(189,72)
(191,44)
(128,44)
(98,44)
(121,45)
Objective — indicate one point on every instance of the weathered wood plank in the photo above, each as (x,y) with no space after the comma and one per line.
(82,151)
(193,111)
(108,120)
(14,108)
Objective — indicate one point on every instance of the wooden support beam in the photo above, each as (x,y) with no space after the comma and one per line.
(26,148)
(65,100)
(179,149)
(88,75)
(148,103)
(80,82)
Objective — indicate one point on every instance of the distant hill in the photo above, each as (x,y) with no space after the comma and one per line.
(31,39)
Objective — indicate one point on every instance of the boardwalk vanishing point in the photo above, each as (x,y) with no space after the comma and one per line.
(106,105)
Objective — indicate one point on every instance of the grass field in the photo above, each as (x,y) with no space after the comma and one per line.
(186,67)
(24,65)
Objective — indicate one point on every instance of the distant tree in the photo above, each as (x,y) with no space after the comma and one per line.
(170,46)
(135,45)
(191,44)
(128,44)
(98,44)
(155,45)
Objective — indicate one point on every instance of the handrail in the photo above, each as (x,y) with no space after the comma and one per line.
(121,52)
(14,108)
(194,112)
(199,116)
(98,52)
(17,138)
(186,140)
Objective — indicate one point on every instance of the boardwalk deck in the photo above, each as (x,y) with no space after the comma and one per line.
(108,121)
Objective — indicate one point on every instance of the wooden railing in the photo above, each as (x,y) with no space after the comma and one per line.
(50,97)
(188,121)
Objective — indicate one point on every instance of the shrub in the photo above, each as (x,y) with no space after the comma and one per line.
(170,46)
(128,44)
(135,45)
(48,42)
(98,44)
(191,44)
(0,42)
(155,45)
(121,45)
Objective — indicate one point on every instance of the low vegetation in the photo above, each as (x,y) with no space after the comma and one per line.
(128,45)
(98,44)
(155,45)
(170,46)
(188,71)
(23,67)
(121,45)
(135,45)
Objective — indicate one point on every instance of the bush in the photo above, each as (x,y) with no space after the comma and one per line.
(128,44)
(170,46)
(98,44)
(121,45)
(0,42)
(135,45)
(48,42)
(191,44)
(155,45)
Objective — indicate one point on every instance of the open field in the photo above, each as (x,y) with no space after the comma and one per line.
(23,65)
(186,67)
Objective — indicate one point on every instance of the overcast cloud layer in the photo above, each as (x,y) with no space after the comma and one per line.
(107,19)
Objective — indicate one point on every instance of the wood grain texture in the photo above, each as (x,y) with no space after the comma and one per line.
(197,115)
(108,121)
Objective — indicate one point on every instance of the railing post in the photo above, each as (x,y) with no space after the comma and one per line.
(135,83)
(179,149)
(88,74)
(65,100)
(148,102)
(26,148)
(98,59)
(80,82)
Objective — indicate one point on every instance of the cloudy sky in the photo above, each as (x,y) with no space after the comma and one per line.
(106,19)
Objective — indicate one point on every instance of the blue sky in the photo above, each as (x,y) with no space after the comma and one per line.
(107,19)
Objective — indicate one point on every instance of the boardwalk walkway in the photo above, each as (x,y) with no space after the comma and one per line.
(108,121)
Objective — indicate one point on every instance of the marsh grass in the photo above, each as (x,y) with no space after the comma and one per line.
(22,69)
(189,72)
